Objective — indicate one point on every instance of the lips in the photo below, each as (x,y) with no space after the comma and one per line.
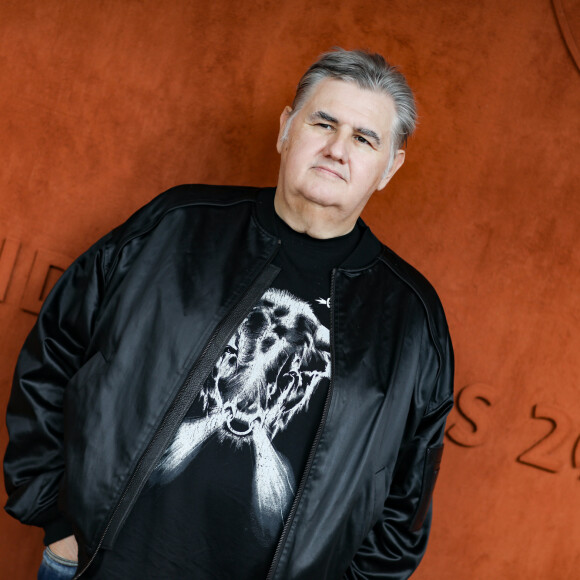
(329,171)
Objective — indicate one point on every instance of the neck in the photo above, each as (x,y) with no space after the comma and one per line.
(312,219)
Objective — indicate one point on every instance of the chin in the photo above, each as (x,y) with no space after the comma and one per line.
(324,195)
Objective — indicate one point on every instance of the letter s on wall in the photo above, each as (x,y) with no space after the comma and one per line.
(472,401)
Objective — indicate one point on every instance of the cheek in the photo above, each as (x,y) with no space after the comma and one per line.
(298,157)
(306,143)
(369,172)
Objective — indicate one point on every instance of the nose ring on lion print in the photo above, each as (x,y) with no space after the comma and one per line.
(230,418)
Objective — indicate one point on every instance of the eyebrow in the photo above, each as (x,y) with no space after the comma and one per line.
(329,118)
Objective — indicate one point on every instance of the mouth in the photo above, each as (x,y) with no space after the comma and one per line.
(328,171)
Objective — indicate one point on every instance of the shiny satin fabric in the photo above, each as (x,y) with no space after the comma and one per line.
(125,324)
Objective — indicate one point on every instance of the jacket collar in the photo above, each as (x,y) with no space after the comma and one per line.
(364,255)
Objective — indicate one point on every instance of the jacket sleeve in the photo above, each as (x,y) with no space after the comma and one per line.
(53,352)
(395,545)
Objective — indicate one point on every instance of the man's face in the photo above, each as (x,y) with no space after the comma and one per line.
(336,152)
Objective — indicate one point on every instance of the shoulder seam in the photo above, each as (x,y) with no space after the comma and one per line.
(156,219)
(430,322)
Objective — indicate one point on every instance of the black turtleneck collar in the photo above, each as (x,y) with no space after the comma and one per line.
(366,252)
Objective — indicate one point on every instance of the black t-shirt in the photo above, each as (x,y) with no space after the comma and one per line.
(215,505)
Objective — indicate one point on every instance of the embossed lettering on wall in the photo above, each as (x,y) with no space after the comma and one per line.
(471,403)
(542,453)
(9,249)
(557,446)
(44,270)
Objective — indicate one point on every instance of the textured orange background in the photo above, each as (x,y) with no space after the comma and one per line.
(106,103)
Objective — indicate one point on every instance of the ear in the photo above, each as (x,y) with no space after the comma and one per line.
(284,120)
(397,162)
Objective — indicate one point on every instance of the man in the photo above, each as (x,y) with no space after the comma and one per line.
(244,383)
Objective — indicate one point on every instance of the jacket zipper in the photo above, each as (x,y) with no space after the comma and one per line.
(292,513)
(183,401)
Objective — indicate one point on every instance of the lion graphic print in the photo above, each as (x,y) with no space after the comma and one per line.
(266,375)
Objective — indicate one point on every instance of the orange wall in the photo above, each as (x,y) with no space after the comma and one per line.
(106,103)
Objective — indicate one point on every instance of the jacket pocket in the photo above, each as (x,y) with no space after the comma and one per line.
(80,405)
(381,484)
(431,465)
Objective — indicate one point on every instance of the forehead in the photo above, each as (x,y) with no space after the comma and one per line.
(352,105)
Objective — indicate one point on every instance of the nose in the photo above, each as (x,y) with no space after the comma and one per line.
(247,405)
(337,147)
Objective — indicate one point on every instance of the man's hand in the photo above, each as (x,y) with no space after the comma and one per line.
(66,548)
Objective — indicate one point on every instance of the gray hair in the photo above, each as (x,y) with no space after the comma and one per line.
(369,71)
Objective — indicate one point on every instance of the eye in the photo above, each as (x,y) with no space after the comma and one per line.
(230,350)
(324,126)
(362,140)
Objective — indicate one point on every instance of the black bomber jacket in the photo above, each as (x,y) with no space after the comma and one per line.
(130,331)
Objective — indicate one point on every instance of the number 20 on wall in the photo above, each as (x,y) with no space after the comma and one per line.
(473,406)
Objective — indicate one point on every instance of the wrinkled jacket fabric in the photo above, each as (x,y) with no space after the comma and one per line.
(127,335)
